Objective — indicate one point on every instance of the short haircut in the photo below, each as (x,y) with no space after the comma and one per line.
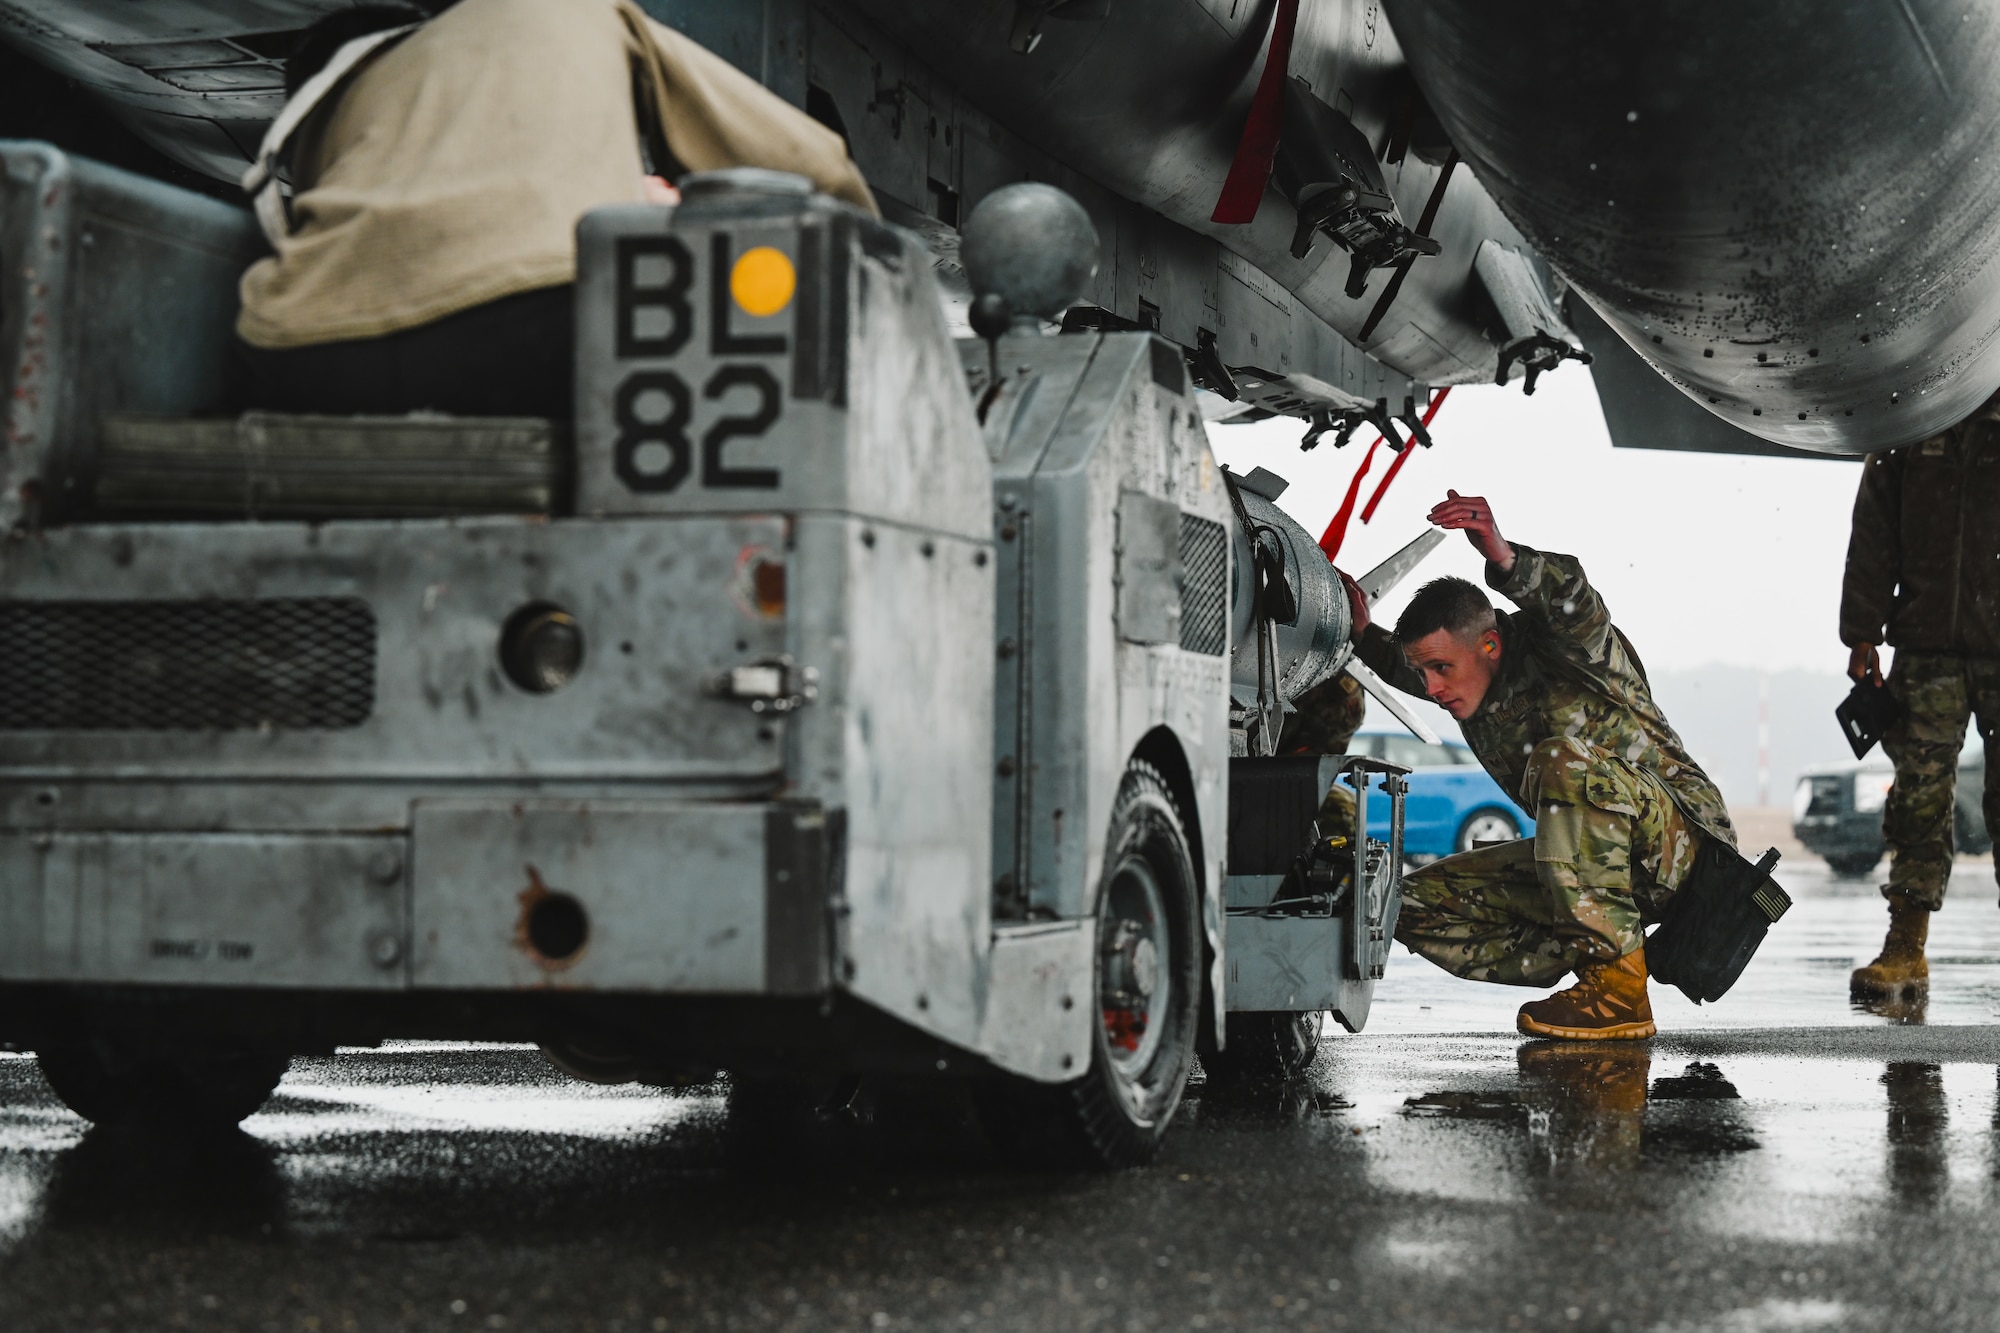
(1446,604)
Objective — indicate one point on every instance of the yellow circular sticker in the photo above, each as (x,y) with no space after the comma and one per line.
(762,281)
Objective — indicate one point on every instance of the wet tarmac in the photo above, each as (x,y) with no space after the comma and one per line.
(1779,1161)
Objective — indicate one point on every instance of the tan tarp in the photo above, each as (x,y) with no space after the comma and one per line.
(454,168)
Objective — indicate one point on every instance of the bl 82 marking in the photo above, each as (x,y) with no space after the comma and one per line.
(670,298)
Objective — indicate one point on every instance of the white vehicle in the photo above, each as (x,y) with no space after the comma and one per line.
(811,704)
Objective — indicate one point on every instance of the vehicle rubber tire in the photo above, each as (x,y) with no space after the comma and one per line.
(1149,950)
(107,1086)
(1852,865)
(578,1060)
(1487,824)
(1264,1048)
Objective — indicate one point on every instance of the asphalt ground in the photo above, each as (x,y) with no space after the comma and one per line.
(1777,1161)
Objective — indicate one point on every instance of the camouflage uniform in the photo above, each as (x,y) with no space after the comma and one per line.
(1923,574)
(1570,730)
(1328,716)
(1609,848)
(1939,692)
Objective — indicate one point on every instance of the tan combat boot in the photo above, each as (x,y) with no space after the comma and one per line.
(1607,1001)
(1900,967)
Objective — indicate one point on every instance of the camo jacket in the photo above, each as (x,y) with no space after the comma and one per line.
(1326,719)
(1923,564)
(1565,670)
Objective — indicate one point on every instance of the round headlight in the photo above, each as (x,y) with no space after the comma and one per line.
(541,647)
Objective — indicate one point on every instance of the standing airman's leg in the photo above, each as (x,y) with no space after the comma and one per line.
(1984,676)
(1923,743)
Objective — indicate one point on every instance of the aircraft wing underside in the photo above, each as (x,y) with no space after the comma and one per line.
(1319,241)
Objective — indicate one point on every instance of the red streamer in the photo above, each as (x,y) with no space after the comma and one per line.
(1336,531)
(1437,401)
(1250,169)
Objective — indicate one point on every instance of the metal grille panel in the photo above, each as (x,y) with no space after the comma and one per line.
(293,663)
(1204,586)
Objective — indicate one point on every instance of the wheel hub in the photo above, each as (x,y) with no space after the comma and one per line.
(1132,981)
(1145,966)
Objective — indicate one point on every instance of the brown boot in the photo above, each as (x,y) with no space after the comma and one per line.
(1900,966)
(1607,1001)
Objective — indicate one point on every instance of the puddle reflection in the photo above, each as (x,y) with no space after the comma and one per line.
(1699,1112)
(1589,1109)
(1592,1112)
(1263,1104)
(1586,1103)
(1558,1119)
(1904,1008)
(1919,1172)
(131,1177)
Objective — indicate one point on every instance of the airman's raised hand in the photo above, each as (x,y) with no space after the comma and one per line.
(1473,516)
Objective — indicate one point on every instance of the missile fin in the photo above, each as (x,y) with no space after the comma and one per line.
(1386,695)
(1379,581)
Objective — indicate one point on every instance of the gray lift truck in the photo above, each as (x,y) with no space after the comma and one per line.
(811,704)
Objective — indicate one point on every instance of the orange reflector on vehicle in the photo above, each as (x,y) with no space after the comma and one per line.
(762,281)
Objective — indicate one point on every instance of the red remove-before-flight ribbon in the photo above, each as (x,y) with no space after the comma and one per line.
(1250,169)
(1336,532)
(1437,401)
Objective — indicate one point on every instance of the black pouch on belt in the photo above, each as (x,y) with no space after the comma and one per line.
(1715,921)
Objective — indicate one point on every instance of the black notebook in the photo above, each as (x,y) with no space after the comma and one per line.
(1865,714)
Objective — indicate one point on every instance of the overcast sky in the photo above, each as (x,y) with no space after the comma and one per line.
(1701,557)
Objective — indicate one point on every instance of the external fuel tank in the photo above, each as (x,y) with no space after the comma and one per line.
(1791,210)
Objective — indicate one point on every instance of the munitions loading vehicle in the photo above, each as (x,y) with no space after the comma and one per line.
(827,697)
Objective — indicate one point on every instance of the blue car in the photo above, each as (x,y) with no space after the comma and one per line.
(1453,805)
